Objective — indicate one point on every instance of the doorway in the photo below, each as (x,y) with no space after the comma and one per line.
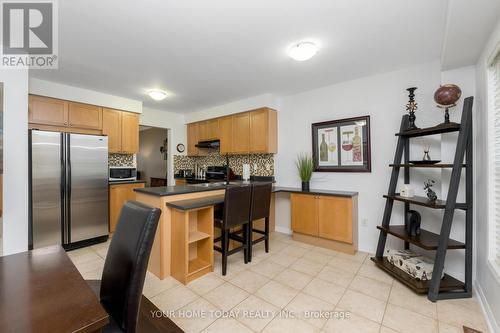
(152,159)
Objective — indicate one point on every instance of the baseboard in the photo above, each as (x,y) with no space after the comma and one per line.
(283,230)
(490,319)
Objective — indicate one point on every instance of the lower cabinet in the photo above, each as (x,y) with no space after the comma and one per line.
(327,217)
(305,214)
(118,195)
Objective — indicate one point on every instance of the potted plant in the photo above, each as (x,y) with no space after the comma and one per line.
(305,167)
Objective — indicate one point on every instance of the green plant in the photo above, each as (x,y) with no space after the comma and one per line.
(305,166)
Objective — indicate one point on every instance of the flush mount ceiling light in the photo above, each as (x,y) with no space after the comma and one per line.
(303,51)
(157,94)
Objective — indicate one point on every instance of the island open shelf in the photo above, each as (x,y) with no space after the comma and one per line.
(192,243)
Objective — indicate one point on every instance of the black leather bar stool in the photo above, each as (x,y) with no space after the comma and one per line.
(259,209)
(235,213)
(125,267)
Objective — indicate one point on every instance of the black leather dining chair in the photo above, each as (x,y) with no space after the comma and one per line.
(259,209)
(235,213)
(120,289)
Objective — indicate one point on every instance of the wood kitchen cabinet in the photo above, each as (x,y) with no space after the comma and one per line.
(192,139)
(263,131)
(130,132)
(251,132)
(203,131)
(118,195)
(304,214)
(47,111)
(84,116)
(112,127)
(335,218)
(213,129)
(122,129)
(328,221)
(56,112)
(241,133)
(226,135)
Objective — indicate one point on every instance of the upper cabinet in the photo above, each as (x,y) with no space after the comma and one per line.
(84,116)
(122,129)
(56,112)
(213,129)
(241,133)
(226,135)
(192,139)
(263,131)
(251,132)
(47,111)
(130,132)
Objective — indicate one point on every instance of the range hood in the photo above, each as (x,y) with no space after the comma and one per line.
(208,144)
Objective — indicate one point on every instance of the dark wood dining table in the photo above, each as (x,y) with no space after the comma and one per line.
(42,291)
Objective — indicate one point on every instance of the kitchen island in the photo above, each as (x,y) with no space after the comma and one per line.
(166,197)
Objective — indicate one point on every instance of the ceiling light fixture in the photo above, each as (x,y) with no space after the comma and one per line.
(157,94)
(303,51)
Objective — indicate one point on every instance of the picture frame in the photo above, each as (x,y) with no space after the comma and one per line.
(342,145)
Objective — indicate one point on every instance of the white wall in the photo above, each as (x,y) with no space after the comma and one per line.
(383,97)
(71,93)
(233,107)
(487,281)
(177,131)
(15,159)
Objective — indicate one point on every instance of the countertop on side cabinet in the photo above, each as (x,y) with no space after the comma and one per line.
(333,193)
(126,182)
(185,189)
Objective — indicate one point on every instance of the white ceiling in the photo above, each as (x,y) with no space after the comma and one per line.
(207,53)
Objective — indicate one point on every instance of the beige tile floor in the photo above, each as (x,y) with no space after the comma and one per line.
(296,288)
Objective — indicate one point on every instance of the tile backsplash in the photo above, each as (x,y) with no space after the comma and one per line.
(122,160)
(260,164)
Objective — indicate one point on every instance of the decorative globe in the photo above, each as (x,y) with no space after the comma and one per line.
(447,95)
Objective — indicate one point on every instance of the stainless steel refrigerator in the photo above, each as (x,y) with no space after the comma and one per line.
(69,189)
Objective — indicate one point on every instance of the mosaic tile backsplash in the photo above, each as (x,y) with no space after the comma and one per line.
(264,163)
(122,160)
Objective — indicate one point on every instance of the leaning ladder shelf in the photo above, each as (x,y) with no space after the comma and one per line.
(446,287)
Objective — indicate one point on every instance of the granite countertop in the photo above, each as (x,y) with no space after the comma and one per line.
(126,182)
(185,189)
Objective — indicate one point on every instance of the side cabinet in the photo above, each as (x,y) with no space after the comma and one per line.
(118,195)
(335,218)
(304,214)
(327,221)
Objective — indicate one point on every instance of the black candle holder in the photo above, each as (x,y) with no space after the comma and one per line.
(411,107)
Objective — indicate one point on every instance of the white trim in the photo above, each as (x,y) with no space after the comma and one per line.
(283,230)
(488,314)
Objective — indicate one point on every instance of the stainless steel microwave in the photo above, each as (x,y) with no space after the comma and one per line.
(122,173)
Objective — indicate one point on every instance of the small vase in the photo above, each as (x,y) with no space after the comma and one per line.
(305,186)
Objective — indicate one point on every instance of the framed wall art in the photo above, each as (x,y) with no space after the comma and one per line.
(342,145)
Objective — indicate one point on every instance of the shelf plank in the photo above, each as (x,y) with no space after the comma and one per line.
(195,265)
(196,235)
(438,166)
(448,283)
(424,201)
(439,129)
(426,240)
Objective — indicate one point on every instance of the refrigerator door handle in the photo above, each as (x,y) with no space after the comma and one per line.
(63,190)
